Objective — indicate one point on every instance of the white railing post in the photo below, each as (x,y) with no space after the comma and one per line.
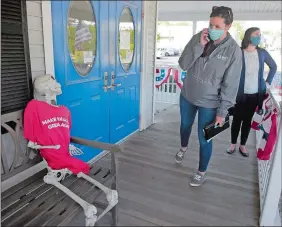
(270,206)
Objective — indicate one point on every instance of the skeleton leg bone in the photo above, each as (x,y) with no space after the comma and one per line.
(55,176)
(112,195)
(90,210)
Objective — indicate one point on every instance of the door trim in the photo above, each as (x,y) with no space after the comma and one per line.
(143,79)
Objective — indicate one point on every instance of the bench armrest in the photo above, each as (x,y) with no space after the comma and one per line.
(96,144)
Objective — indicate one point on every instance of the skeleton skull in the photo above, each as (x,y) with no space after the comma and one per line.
(46,88)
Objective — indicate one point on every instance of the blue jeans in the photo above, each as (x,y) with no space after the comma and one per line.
(205,117)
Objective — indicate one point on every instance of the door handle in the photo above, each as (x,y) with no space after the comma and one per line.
(113,81)
(106,86)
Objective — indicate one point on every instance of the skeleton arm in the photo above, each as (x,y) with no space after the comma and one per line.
(36,146)
(73,150)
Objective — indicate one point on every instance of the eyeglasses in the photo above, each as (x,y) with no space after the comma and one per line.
(228,11)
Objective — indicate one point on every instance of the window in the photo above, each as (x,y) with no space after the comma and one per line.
(82,36)
(15,72)
(126,39)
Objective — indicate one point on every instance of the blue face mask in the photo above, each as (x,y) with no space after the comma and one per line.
(255,40)
(215,34)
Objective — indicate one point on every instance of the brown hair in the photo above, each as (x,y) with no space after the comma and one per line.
(247,37)
(223,12)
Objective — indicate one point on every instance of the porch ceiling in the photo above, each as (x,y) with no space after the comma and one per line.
(200,10)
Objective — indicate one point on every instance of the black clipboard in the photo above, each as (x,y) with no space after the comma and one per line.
(211,131)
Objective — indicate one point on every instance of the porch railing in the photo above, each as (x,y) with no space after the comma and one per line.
(269,173)
(168,83)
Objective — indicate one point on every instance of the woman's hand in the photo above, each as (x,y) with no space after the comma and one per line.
(204,36)
(219,121)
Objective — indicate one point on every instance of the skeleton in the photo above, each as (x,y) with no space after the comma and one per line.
(46,88)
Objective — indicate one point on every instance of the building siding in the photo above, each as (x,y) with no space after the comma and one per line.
(36,41)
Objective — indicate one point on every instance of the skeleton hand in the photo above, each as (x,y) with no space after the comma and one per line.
(74,150)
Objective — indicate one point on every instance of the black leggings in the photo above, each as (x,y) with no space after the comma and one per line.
(242,119)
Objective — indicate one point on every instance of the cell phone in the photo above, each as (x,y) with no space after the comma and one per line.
(208,38)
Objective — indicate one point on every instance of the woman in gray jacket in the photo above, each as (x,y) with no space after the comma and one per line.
(213,62)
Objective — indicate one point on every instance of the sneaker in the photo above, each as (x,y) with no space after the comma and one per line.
(179,156)
(198,179)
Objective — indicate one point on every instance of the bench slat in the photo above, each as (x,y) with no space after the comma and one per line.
(21,185)
(22,202)
(63,203)
(34,203)
(21,193)
(39,205)
(27,198)
(36,215)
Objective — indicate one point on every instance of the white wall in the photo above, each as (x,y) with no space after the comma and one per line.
(35,34)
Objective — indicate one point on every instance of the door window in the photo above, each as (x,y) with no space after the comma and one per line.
(82,36)
(126,39)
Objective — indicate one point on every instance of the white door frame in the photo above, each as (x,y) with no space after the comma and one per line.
(144,80)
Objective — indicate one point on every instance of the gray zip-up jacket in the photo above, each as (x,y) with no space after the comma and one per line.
(212,81)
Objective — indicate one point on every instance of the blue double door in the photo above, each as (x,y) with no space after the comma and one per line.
(97,56)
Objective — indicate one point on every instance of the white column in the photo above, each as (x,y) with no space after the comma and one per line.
(194,27)
(154,81)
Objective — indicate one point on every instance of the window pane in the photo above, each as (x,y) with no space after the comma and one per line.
(82,36)
(126,39)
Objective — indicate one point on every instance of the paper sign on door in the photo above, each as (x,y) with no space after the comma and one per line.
(88,57)
(124,40)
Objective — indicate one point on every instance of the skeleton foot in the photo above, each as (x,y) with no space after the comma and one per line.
(112,198)
(90,215)
(111,195)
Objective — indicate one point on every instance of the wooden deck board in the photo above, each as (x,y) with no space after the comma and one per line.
(154,188)
(39,204)
(155,191)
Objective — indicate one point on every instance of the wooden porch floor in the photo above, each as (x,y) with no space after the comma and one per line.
(154,190)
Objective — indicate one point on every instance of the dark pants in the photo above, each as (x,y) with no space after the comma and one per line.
(205,117)
(242,119)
